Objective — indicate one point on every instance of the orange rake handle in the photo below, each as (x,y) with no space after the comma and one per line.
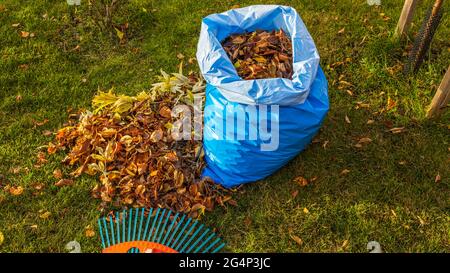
(143,246)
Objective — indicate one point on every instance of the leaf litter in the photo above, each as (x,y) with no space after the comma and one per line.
(260,54)
(127,142)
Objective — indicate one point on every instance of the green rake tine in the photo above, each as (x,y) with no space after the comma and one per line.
(185,236)
(111,224)
(135,223)
(219,248)
(176,229)
(159,224)
(203,244)
(106,231)
(164,226)
(153,224)
(211,245)
(140,224)
(118,227)
(101,233)
(129,224)
(123,226)
(148,222)
(190,239)
(170,228)
(181,232)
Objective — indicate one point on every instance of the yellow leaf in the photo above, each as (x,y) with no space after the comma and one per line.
(16,190)
(119,33)
(45,215)
(89,232)
(2,238)
(305,210)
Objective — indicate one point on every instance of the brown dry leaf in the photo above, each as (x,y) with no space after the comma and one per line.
(370,121)
(64,182)
(347,120)
(51,148)
(297,239)
(165,112)
(397,130)
(341,31)
(438,178)
(18,98)
(24,67)
(24,34)
(301,181)
(38,186)
(365,140)
(16,25)
(391,104)
(345,171)
(57,173)
(47,133)
(39,123)
(294,193)
(16,190)
(325,143)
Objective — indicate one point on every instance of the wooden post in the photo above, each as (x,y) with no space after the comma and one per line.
(406,17)
(441,98)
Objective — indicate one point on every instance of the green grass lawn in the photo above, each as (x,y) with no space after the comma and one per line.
(389,194)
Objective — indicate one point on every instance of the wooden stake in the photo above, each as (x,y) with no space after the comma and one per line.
(441,98)
(406,17)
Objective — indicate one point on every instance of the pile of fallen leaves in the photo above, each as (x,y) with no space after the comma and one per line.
(260,54)
(127,142)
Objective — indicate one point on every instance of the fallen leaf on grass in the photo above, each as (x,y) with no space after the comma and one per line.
(347,120)
(51,148)
(325,143)
(345,171)
(294,193)
(57,174)
(341,31)
(38,186)
(364,140)
(16,190)
(45,215)
(64,182)
(15,25)
(305,210)
(40,123)
(47,133)
(18,98)
(2,238)
(89,232)
(396,130)
(180,56)
(438,178)
(344,244)
(297,239)
(301,181)
(24,34)
(23,67)
(370,121)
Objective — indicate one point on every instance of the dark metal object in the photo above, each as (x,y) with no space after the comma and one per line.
(424,38)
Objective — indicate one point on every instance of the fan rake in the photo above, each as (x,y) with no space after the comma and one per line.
(155,231)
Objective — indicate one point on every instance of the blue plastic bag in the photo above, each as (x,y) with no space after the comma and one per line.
(254,127)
